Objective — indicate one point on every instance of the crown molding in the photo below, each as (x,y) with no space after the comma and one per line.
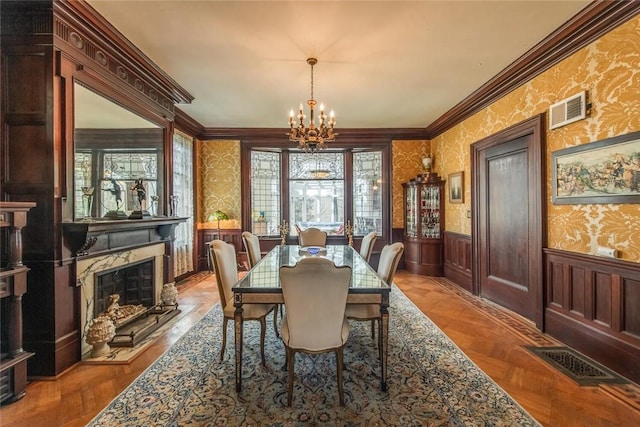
(595,20)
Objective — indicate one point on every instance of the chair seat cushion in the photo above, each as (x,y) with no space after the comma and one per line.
(249,311)
(284,333)
(363,311)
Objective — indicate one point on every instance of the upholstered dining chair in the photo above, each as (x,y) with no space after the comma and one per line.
(224,259)
(312,237)
(367,245)
(315,296)
(252,246)
(387,266)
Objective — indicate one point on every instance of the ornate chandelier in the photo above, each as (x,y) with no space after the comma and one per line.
(311,138)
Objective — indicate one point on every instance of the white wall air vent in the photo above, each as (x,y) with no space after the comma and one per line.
(568,110)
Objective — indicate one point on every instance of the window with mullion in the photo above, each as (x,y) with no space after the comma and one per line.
(320,189)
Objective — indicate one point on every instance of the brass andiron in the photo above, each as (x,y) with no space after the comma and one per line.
(284,230)
(348,230)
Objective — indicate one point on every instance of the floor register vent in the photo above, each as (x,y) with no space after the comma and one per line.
(568,110)
(580,368)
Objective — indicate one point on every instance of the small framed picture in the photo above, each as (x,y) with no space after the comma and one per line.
(456,187)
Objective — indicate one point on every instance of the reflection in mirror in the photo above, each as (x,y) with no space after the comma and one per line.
(118,160)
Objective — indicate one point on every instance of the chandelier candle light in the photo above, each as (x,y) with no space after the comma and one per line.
(312,138)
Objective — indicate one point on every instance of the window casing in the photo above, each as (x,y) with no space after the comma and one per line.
(325,189)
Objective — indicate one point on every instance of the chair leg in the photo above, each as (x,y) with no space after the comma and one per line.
(263,327)
(291,361)
(339,367)
(224,338)
(275,321)
(373,330)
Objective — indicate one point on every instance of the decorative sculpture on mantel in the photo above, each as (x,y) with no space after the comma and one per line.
(116,192)
(141,194)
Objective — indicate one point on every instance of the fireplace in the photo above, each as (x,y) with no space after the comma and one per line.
(131,258)
(133,283)
(136,275)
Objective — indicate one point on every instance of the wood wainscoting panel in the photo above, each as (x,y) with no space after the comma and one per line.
(457,259)
(593,305)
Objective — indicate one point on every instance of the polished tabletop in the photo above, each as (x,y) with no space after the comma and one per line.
(264,276)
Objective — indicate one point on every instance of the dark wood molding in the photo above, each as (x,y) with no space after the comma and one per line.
(187,124)
(592,304)
(99,48)
(270,134)
(589,24)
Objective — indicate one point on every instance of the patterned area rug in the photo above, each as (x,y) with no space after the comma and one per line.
(431,382)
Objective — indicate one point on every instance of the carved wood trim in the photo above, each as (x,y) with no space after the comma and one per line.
(86,36)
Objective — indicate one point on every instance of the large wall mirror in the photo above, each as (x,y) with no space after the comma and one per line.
(118,160)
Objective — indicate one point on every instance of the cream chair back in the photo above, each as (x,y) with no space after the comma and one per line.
(224,261)
(252,246)
(389,259)
(312,237)
(367,245)
(315,297)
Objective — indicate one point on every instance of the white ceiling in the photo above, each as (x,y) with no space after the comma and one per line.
(381,64)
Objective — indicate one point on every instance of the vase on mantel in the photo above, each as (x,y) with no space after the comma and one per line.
(87,200)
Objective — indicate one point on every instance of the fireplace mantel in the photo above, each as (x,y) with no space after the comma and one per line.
(99,237)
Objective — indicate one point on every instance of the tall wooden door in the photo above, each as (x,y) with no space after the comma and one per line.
(508,228)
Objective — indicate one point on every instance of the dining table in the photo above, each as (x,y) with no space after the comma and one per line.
(261,285)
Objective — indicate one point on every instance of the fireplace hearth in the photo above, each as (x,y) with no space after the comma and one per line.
(127,295)
(137,329)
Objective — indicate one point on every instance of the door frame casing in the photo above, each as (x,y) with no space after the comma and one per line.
(537,202)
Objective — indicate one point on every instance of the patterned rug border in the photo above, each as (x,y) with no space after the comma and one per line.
(140,399)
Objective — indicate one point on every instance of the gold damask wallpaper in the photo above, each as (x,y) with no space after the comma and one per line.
(609,69)
(219,184)
(407,164)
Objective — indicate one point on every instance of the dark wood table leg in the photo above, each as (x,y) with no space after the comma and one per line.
(237,319)
(383,342)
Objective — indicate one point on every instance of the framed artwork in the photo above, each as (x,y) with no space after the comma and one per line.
(606,171)
(456,187)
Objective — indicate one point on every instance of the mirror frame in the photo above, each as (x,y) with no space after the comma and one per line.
(136,136)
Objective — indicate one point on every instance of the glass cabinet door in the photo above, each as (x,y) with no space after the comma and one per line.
(430,211)
(411,207)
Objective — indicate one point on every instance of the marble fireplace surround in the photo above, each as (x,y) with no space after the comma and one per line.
(101,245)
(88,269)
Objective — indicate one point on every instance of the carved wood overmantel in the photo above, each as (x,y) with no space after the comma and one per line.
(98,237)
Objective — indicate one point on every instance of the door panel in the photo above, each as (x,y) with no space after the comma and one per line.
(505,275)
(507,194)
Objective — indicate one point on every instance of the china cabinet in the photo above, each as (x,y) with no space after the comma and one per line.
(424,225)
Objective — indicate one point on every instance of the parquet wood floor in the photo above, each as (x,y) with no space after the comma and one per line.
(492,337)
